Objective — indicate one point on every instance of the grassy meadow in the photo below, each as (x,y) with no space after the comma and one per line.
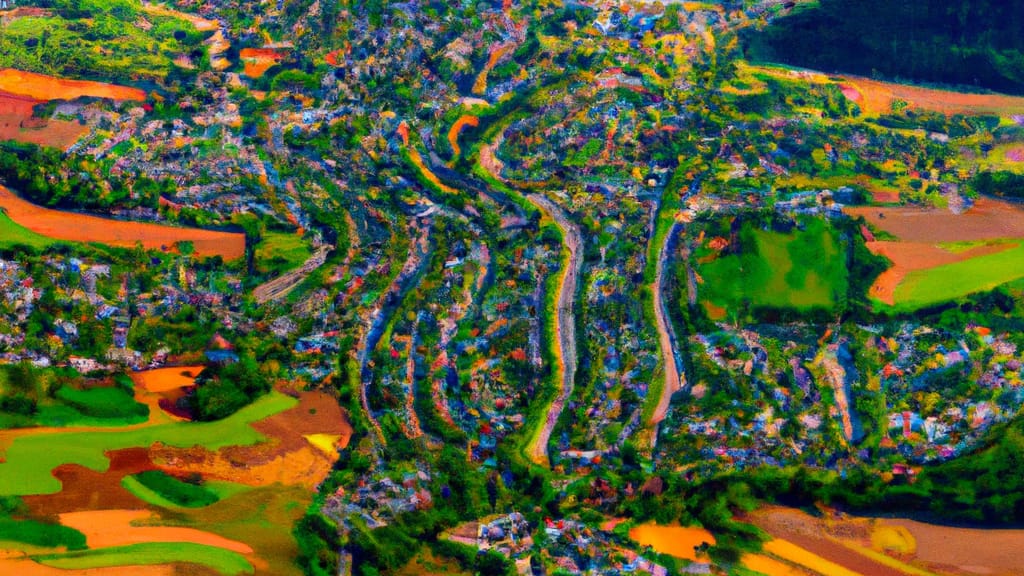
(801,270)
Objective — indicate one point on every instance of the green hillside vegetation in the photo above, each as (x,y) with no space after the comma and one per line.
(222,561)
(801,270)
(279,252)
(962,42)
(178,492)
(54,397)
(41,534)
(110,47)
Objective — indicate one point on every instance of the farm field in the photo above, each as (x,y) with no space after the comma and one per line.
(880,546)
(940,256)
(44,88)
(83,228)
(129,489)
(799,270)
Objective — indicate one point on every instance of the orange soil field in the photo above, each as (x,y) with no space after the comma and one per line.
(965,550)
(453,134)
(988,219)
(42,87)
(287,458)
(876,97)
(166,379)
(920,229)
(257,61)
(16,123)
(678,541)
(108,528)
(812,534)
(909,256)
(82,228)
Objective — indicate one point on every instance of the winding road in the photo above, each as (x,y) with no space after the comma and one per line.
(666,338)
(565,325)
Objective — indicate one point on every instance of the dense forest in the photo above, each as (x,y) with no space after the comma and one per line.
(962,42)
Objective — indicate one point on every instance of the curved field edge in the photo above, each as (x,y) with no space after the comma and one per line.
(30,459)
(951,281)
(223,561)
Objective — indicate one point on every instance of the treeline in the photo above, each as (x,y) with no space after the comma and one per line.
(44,176)
(223,389)
(962,42)
(1001,184)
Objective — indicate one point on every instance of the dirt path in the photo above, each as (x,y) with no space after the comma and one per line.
(666,338)
(565,324)
(75,227)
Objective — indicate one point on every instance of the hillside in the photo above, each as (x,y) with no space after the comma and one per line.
(961,43)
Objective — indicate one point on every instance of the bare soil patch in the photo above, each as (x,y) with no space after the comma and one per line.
(256,61)
(966,550)
(42,87)
(83,228)
(287,457)
(988,219)
(876,97)
(107,528)
(85,489)
(25,567)
(810,533)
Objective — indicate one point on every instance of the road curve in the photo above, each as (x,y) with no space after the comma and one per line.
(565,324)
(666,338)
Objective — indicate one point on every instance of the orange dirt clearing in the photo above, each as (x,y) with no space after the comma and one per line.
(108,528)
(257,61)
(42,87)
(167,379)
(988,219)
(875,97)
(909,256)
(288,457)
(82,228)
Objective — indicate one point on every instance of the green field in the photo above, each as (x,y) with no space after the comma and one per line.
(173,490)
(30,459)
(952,281)
(40,534)
(801,270)
(279,252)
(223,561)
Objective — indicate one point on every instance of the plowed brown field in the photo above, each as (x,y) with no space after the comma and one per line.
(83,228)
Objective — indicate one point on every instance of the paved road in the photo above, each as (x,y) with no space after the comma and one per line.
(565,325)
